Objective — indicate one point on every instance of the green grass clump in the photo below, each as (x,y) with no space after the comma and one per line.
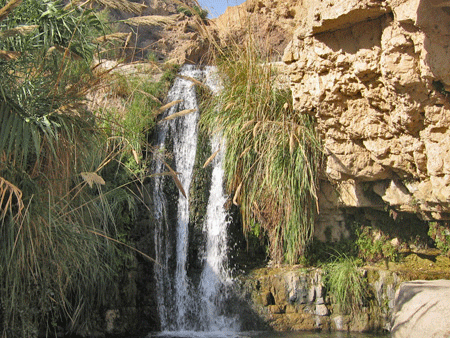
(273,153)
(346,284)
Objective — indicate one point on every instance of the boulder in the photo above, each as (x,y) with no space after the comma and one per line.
(422,309)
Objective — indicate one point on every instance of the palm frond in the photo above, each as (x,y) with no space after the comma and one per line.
(17,135)
(10,196)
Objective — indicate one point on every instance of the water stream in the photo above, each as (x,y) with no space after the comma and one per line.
(183,305)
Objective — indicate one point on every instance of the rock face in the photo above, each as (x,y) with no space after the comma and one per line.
(376,76)
(295,299)
(271,23)
(421,310)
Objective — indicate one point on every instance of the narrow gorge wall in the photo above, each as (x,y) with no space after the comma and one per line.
(376,75)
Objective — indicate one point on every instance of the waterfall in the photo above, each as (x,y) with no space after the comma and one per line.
(182,305)
(215,279)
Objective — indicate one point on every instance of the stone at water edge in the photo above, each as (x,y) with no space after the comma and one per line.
(422,309)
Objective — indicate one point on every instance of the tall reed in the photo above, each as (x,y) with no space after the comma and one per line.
(58,206)
(273,153)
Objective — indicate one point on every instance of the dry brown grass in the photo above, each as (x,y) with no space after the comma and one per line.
(179,114)
(8,8)
(10,196)
(113,37)
(8,55)
(123,5)
(152,20)
(21,30)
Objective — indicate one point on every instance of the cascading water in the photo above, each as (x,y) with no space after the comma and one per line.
(215,279)
(181,305)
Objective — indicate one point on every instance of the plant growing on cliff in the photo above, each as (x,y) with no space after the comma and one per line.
(194,10)
(346,284)
(273,153)
(440,233)
(374,245)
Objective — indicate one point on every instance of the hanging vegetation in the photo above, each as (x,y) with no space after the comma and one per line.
(273,154)
(63,191)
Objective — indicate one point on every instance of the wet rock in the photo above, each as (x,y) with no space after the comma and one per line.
(267,299)
(110,319)
(339,322)
(313,313)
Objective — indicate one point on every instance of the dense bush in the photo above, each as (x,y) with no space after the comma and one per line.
(65,176)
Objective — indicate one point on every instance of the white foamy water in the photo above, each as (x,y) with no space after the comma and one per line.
(181,307)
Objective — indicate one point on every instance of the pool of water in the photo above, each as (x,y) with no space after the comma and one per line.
(264,334)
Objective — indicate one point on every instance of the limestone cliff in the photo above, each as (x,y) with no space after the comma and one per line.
(376,76)
(270,22)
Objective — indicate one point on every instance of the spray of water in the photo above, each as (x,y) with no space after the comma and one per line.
(181,306)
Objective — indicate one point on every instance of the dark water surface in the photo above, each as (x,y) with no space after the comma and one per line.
(265,334)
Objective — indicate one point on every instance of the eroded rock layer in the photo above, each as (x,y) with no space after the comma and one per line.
(376,75)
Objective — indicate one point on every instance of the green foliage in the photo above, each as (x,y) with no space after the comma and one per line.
(140,97)
(346,285)
(369,243)
(321,252)
(58,215)
(374,245)
(53,265)
(152,57)
(372,235)
(170,73)
(73,29)
(440,233)
(273,154)
(195,10)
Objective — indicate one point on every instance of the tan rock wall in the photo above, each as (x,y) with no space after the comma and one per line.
(270,23)
(376,75)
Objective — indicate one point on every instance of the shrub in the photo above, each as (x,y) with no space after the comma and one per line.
(58,214)
(346,284)
(440,233)
(374,245)
(195,10)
